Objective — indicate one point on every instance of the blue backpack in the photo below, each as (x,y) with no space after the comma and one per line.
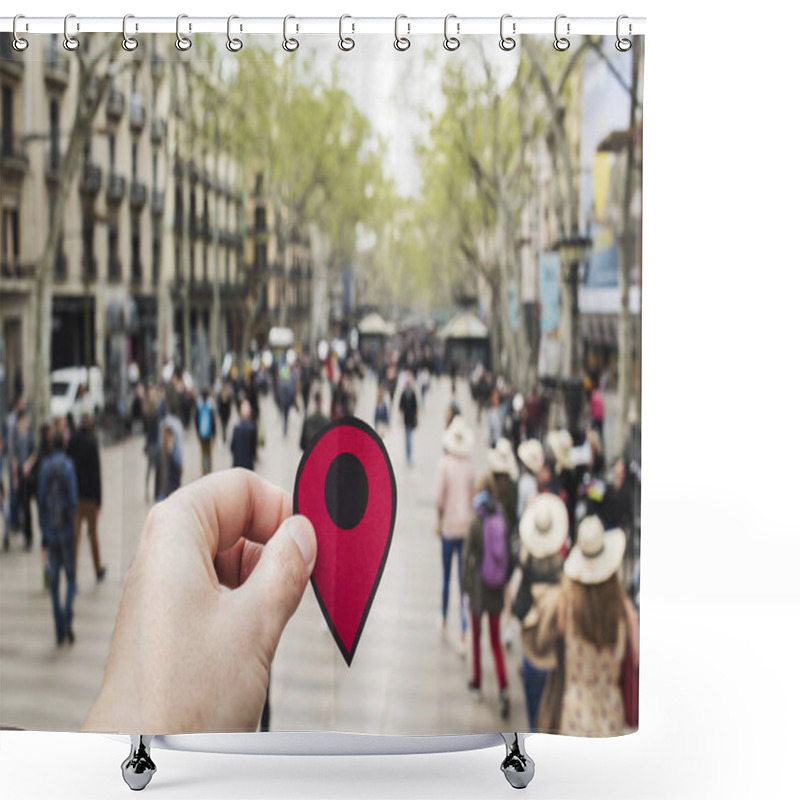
(56,501)
(495,551)
(204,420)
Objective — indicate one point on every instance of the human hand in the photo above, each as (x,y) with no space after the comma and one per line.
(186,656)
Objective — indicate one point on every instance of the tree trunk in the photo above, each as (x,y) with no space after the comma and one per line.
(88,103)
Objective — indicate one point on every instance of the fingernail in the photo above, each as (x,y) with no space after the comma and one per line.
(303,534)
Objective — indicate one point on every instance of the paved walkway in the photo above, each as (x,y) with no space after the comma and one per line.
(404,679)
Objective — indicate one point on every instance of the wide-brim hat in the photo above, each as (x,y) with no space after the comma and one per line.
(501,459)
(458,439)
(597,554)
(560,442)
(531,454)
(544,525)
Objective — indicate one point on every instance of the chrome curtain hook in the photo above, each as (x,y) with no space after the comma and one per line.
(233,44)
(561,43)
(346,43)
(623,45)
(401,43)
(183,43)
(451,42)
(290,44)
(18,43)
(129,43)
(507,42)
(70,42)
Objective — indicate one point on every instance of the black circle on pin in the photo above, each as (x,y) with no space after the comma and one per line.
(346,491)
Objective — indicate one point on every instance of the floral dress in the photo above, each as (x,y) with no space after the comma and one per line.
(592,704)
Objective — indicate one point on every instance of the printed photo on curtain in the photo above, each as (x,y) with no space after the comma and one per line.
(320,384)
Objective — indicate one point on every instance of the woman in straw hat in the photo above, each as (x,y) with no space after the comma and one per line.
(454,494)
(543,531)
(486,559)
(597,621)
(505,471)
(531,454)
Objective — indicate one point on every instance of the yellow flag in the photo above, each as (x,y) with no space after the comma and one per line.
(601,175)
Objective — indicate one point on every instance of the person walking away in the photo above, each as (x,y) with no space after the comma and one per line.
(597,621)
(44,449)
(10,445)
(85,455)
(543,531)
(224,406)
(505,472)
(150,422)
(306,378)
(424,383)
(531,455)
(597,409)
(559,445)
(57,498)
(244,439)
(313,423)
(23,459)
(455,490)
(453,408)
(287,389)
(495,419)
(484,581)
(382,412)
(534,412)
(170,468)
(206,430)
(408,408)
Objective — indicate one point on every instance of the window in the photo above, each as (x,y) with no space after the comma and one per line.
(134,160)
(154,182)
(10,240)
(136,250)
(114,269)
(112,153)
(55,152)
(156,259)
(8,119)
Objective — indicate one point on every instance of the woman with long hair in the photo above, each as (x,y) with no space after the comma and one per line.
(598,622)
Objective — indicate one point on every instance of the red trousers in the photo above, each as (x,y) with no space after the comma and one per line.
(497,649)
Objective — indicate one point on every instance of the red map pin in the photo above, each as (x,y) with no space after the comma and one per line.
(345,485)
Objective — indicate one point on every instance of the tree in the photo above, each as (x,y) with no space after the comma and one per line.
(96,71)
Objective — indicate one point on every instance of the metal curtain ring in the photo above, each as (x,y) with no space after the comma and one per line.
(561,43)
(345,42)
(451,42)
(233,44)
(507,42)
(183,43)
(623,45)
(401,43)
(290,44)
(18,43)
(70,42)
(129,43)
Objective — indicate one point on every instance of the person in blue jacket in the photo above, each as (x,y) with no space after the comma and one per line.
(58,502)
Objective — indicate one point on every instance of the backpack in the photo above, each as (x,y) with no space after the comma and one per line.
(495,553)
(204,421)
(56,512)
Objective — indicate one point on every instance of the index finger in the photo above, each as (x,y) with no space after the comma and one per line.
(229,505)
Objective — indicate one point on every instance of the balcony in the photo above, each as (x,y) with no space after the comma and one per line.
(157,203)
(158,130)
(157,66)
(13,269)
(138,195)
(56,70)
(137,117)
(91,178)
(115,190)
(88,269)
(114,270)
(13,161)
(115,105)
(11,63)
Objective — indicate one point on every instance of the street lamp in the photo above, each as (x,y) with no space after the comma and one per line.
(572,252)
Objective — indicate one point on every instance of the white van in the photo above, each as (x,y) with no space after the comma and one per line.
(64,385)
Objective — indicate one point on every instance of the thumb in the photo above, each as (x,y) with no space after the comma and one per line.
(274,589)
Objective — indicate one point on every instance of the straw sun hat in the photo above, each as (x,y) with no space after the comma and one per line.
(502,460)
(544,525)
(531,454)
(597,555)
(458,438)
(560,442)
